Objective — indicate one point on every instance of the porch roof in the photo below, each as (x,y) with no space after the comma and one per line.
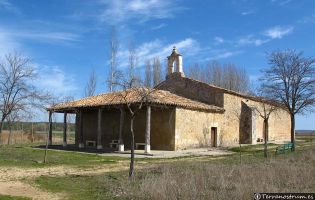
(134,96)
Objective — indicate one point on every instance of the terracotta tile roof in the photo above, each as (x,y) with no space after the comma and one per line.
(136,95)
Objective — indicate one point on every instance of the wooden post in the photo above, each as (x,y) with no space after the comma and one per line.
(81,140)
(32,131)
(64,144)
(50,129)
(148,130)
(99,129)
(121,128)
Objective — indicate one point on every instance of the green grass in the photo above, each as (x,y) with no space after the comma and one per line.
(253,148)
(307,138)
(26,156)
(115,185)
(6,197)
(112,185)
(57,134)
(84,187)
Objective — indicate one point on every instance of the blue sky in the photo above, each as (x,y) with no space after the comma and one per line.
(67,39)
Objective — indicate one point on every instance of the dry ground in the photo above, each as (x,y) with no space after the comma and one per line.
(178,178)
(18,188)
(11,184)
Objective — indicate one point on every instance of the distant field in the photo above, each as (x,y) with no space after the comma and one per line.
(19,137)
(305,132)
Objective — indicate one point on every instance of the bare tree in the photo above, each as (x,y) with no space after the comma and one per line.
(91,85)
(214,73)
(290,80)
(157,73)
(143,96)
(133,61)
(113,48)
(11,119)
(227,76)
(264,110)
(17,91)
(237,112)
(196,72)
(148,74)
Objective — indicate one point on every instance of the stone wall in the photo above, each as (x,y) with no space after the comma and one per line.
(237,121)
(279,122)
(193,128)
(192,89)
(279,126)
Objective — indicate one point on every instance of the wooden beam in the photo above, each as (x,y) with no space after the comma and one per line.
(148,130)
(121,128)
(99,129)
(64,144)
(50,128)
(81,139)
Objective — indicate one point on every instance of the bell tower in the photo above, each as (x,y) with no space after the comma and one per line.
(175,64)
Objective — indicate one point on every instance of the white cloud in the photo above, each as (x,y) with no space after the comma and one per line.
(8,44)
(46,36)
(157,48)
(281,2)
(249,12)
(50,78)
(270,34)
(216,54)
(11,39)
(54,80)
(188,47)
(218,40)
(122,10)
(6,5)
(250,40)
(225,54)
(158,26)
(308,19)
(278,32)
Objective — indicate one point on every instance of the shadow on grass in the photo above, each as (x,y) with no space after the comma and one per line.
(27,156)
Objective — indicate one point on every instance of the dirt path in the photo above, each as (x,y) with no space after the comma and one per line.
(15,173)
(17,188)
(10,177)
(11,184)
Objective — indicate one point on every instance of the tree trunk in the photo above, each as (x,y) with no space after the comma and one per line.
(22,133)
(1,124)
(265,138)
(132,155)
(49,135)
(46,148)
(293,131)
(10,134)
(32,132)
(240,153)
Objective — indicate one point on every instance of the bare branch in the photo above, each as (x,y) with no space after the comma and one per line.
(227,76)
(113,48)
(91,85)
(17,92)
(290,80)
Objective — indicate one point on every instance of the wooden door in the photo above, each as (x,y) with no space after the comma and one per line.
(213,137)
